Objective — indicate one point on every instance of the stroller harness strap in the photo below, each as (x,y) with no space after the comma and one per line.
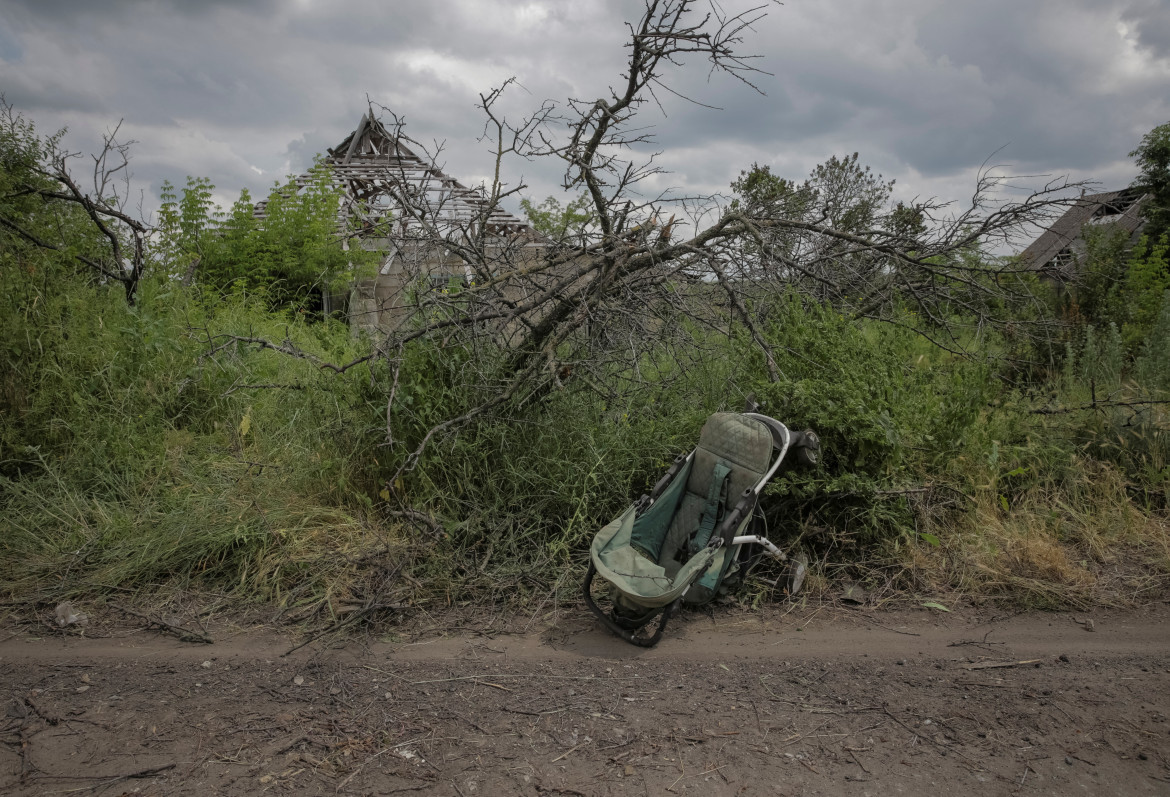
(716,497)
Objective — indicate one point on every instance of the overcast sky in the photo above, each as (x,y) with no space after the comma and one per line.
(925,90)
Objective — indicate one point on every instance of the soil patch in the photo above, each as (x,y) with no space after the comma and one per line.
(831,701)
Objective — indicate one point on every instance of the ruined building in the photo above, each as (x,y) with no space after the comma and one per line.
(1059,253)
(434,232)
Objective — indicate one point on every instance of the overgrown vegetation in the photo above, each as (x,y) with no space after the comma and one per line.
(292,255)
(210,428)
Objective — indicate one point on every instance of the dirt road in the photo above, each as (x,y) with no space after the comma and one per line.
(834,702)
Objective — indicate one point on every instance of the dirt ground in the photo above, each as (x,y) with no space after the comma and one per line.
(822,701)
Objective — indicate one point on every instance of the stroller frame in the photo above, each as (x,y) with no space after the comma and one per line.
(631,550)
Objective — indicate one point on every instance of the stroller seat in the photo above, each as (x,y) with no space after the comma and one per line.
(681,542)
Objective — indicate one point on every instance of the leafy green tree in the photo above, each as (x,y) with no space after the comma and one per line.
(840,193)
(185,226)
(43,206)
(292,254)
(850,197)
(25,218)
(1152,364)
(1152,156)
(1123,285)
(907,222)
(1146,281)
(1098,296)
(758,190)
(559,223)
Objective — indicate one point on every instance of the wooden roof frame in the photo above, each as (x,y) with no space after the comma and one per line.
(1053,252)
(387,186)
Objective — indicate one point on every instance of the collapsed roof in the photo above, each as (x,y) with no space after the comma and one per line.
(390,191)
(1056,251)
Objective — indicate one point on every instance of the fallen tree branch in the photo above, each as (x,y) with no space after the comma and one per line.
(422,518)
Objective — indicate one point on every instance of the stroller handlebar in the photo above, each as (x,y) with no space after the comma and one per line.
(777,428)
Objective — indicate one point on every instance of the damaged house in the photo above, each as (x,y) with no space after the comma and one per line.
(434,231)
(1059,253)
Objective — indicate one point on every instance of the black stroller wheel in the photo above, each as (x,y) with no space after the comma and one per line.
(633,630)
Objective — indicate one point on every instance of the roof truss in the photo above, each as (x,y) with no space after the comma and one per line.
(1052,251)
(390,191)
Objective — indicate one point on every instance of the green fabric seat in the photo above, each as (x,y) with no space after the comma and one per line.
(651,559)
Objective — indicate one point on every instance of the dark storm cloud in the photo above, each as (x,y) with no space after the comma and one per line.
(932,91)
(925,90)
(1151,23)
(150,63)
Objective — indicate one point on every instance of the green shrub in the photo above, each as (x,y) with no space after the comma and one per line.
(159,462)
(1152,366)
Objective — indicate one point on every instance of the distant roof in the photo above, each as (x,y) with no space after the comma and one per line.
(379,173)
(1052,252)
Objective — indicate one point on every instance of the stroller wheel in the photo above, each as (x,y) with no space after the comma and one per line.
(807,449)
(797,569)
(630,624)
(631,619)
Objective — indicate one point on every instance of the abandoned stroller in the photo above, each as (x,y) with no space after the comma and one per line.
(681,543)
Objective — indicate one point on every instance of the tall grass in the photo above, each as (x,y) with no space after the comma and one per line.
(132,460)
(141,450)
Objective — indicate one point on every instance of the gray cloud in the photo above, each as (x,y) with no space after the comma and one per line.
(925,90)
(1150,20)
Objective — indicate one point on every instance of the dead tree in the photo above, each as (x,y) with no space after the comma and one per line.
(535,312)
(120,257)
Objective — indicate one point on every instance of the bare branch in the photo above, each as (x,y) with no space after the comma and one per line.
(124,258)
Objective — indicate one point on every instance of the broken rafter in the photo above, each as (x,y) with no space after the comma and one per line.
(370,163)
(1052,252)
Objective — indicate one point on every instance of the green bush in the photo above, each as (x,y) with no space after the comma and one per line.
(527,485)
(292,256)
(156,461)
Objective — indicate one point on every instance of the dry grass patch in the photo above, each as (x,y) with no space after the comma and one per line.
(1073,545)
